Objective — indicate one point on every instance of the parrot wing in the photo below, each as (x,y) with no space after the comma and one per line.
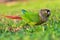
(30,17)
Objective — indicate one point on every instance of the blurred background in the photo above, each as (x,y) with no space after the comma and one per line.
(47,31)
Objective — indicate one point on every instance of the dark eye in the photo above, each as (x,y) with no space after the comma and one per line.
(48,10)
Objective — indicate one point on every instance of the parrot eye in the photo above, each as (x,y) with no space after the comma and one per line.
(48,10)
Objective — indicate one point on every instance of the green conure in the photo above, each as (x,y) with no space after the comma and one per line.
(35,18)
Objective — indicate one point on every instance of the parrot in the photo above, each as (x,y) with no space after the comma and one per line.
(35,18)
(30,18)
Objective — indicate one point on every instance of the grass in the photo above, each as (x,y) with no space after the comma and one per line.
(47,31)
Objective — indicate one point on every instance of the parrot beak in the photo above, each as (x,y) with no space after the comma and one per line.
(48,13)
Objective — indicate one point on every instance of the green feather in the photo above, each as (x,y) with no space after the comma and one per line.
(30,17)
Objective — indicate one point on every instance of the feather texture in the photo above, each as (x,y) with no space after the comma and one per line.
(33,18)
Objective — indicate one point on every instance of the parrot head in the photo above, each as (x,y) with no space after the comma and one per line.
(44,14)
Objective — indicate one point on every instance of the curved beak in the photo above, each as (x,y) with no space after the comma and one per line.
(48,14)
